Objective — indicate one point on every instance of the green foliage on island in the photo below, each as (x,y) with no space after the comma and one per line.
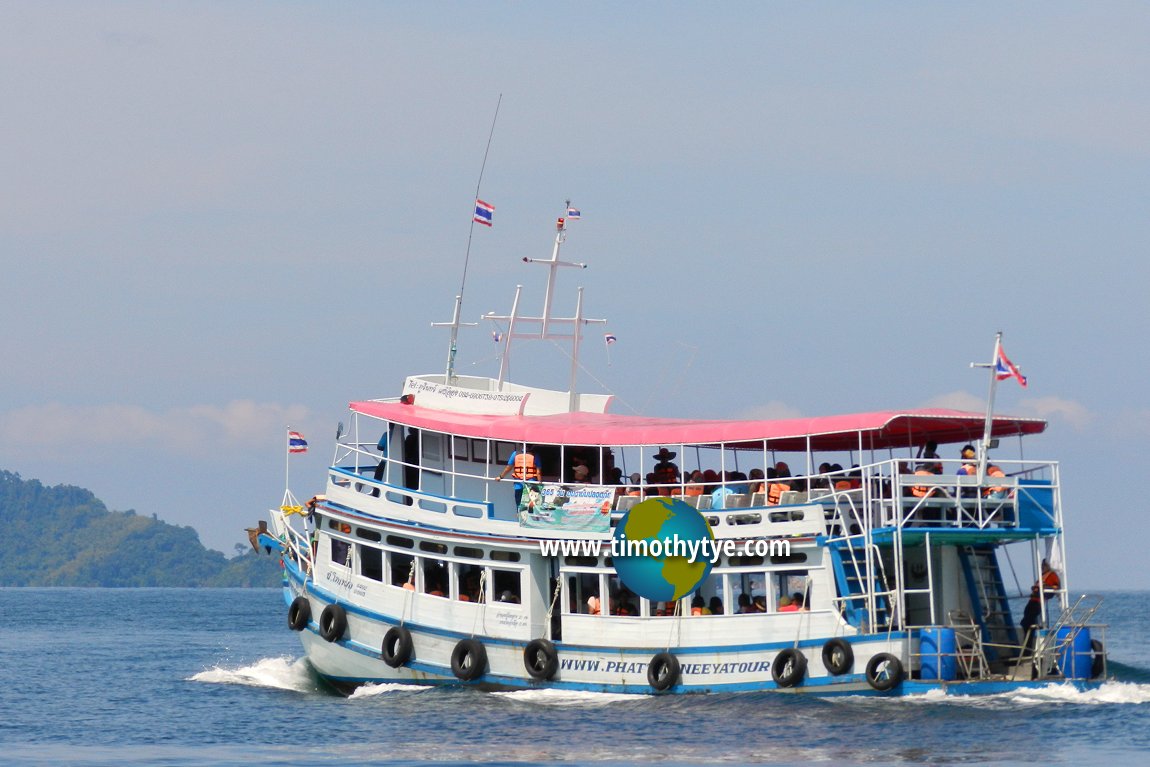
(65,536)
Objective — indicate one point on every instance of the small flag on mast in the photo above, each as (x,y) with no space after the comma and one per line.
(1004,368)
(573,213)
(484,212)
(496,336)
(609,338)
(296,442)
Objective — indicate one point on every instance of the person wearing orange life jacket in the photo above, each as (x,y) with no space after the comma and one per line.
(775,490)
(524,467)
(1044,589)
(1000,491)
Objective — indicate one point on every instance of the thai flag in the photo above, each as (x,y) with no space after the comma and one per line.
(296,442)
(1004,368)
(496,336)
(609,338)
(572,214)
(484,211)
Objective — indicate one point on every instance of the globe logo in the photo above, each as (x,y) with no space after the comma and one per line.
(662,549)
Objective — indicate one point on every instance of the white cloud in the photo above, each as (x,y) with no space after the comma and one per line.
(195,429)
(1058,409)
(770,411)
(958,400)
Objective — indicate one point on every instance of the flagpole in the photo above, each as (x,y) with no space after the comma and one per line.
(988,425)
(287,464)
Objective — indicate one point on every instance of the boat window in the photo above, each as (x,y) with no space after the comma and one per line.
(397,540)
(793,587)
(506,586)
(432,446)
(663,609)
(370,562)
(467,551)
(583,593)
(340,552)
(738,561)
(748,592)
(788,559)
(623,600)
(505,556)
(401,570)
(503,451)
(434,577)
(433,546)
(467,579)
(581,561)
(479,450)
(459,448)
(369,535)
(708,597)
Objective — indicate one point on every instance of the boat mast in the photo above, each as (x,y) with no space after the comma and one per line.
(984,448)
(546,321)
(453,346)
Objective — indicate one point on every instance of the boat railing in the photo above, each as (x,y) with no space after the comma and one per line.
(297,546)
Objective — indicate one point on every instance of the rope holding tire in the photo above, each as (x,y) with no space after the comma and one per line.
(663,671)
(397,646)
(838,657)
(789,667)
(299,613)
(540,659)
(884,672)
(332,622)
(468,659)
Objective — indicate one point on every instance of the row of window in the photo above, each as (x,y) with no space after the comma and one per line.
(463,581)
(741,593)
(432,547)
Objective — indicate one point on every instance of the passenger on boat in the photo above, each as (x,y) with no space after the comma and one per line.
(800,602)
(996,493)
(699,607)
(716,606)
(1044,589)
(523,467)
(720,493)
(775,490)
(580,473)
(694,484)
(666,472)
(744,603)
(508,597)
(929,454)
(786,605)
(925,491)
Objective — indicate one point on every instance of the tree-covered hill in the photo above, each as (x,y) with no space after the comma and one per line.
(65,536)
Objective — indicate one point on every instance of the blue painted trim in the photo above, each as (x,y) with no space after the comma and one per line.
(416,494)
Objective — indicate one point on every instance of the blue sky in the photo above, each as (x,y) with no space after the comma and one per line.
(220,218)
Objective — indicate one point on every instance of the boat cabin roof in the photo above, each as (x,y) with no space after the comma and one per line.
(871,431)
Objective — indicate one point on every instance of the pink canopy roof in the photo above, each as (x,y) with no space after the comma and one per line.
(880,430)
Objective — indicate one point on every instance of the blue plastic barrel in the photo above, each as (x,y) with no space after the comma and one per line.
(936,647)
(1076,656)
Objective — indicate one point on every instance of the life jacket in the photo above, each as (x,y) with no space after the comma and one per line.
(1050,582)
(994,471)
(922,491)
(525,467)
(775,491)
(843,484)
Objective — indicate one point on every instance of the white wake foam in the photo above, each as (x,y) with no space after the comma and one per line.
(1108,693)
(553,697)
(375,690)
(278,673)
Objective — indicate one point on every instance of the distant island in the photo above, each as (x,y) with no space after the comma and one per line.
(65,536)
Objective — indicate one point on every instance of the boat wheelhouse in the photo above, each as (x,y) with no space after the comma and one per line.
(902,572)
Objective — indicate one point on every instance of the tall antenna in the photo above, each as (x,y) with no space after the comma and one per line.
(455,323)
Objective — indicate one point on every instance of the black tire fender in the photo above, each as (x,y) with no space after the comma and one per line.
(838,657)
(541,659)
(663,671)
(299,614)
(469,659)
(789,667)
(397,646)
(332,622)
(1098,664)
(884,672)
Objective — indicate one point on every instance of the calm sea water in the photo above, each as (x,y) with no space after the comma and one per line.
(213,677)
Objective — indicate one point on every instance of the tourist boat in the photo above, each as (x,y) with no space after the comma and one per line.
(416,564)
